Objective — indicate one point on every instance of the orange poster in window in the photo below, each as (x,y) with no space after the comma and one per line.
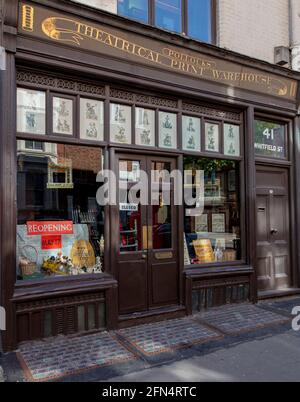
(51,242)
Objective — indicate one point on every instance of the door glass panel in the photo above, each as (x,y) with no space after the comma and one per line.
(129,171)
(129,213)
(162,226)
(130,230)
(161,213)
(160,170)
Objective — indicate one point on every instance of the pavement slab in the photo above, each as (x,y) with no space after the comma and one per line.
(163,337)
(236,318)
(63,356)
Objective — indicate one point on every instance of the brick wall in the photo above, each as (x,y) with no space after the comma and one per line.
(253,27)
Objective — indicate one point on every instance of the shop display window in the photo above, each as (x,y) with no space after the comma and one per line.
(60,226)
(212,226)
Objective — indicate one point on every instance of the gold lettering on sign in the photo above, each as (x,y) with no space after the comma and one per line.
(74,32)
(68,30)
(27,18)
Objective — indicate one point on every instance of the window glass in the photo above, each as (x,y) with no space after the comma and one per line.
(129,213)
(199,19)
(36,145)
(270,139)
(136,9)
(60,227)
(162,210)
(168,15)
(31,111)
(212,224)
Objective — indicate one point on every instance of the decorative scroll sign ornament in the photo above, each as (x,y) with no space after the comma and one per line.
(122,44)
(51,28)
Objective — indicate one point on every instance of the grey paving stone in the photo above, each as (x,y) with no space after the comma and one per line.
(234,319)
(163,337)
(95,350)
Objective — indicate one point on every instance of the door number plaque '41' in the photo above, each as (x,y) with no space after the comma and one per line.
(270,139)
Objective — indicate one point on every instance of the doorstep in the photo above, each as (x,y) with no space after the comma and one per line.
(270,294)
(151,316)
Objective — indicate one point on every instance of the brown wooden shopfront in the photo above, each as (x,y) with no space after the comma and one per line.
(152,270)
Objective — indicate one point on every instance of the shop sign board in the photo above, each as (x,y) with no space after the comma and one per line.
(60,28)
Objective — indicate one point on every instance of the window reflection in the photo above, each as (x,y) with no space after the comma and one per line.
(135,9)
(161,212)
(199,19)
(162,226)
(60,228)
(168,15)
(214,234)
(129,213)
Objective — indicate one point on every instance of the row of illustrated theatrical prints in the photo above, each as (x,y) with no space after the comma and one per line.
(31,118)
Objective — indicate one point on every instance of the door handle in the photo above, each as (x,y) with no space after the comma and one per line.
(274,231)
(144,256)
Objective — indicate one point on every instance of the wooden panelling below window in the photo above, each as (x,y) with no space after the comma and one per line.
(50,317)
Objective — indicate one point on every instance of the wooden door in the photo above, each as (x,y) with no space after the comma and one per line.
(273,228)
(145,239)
